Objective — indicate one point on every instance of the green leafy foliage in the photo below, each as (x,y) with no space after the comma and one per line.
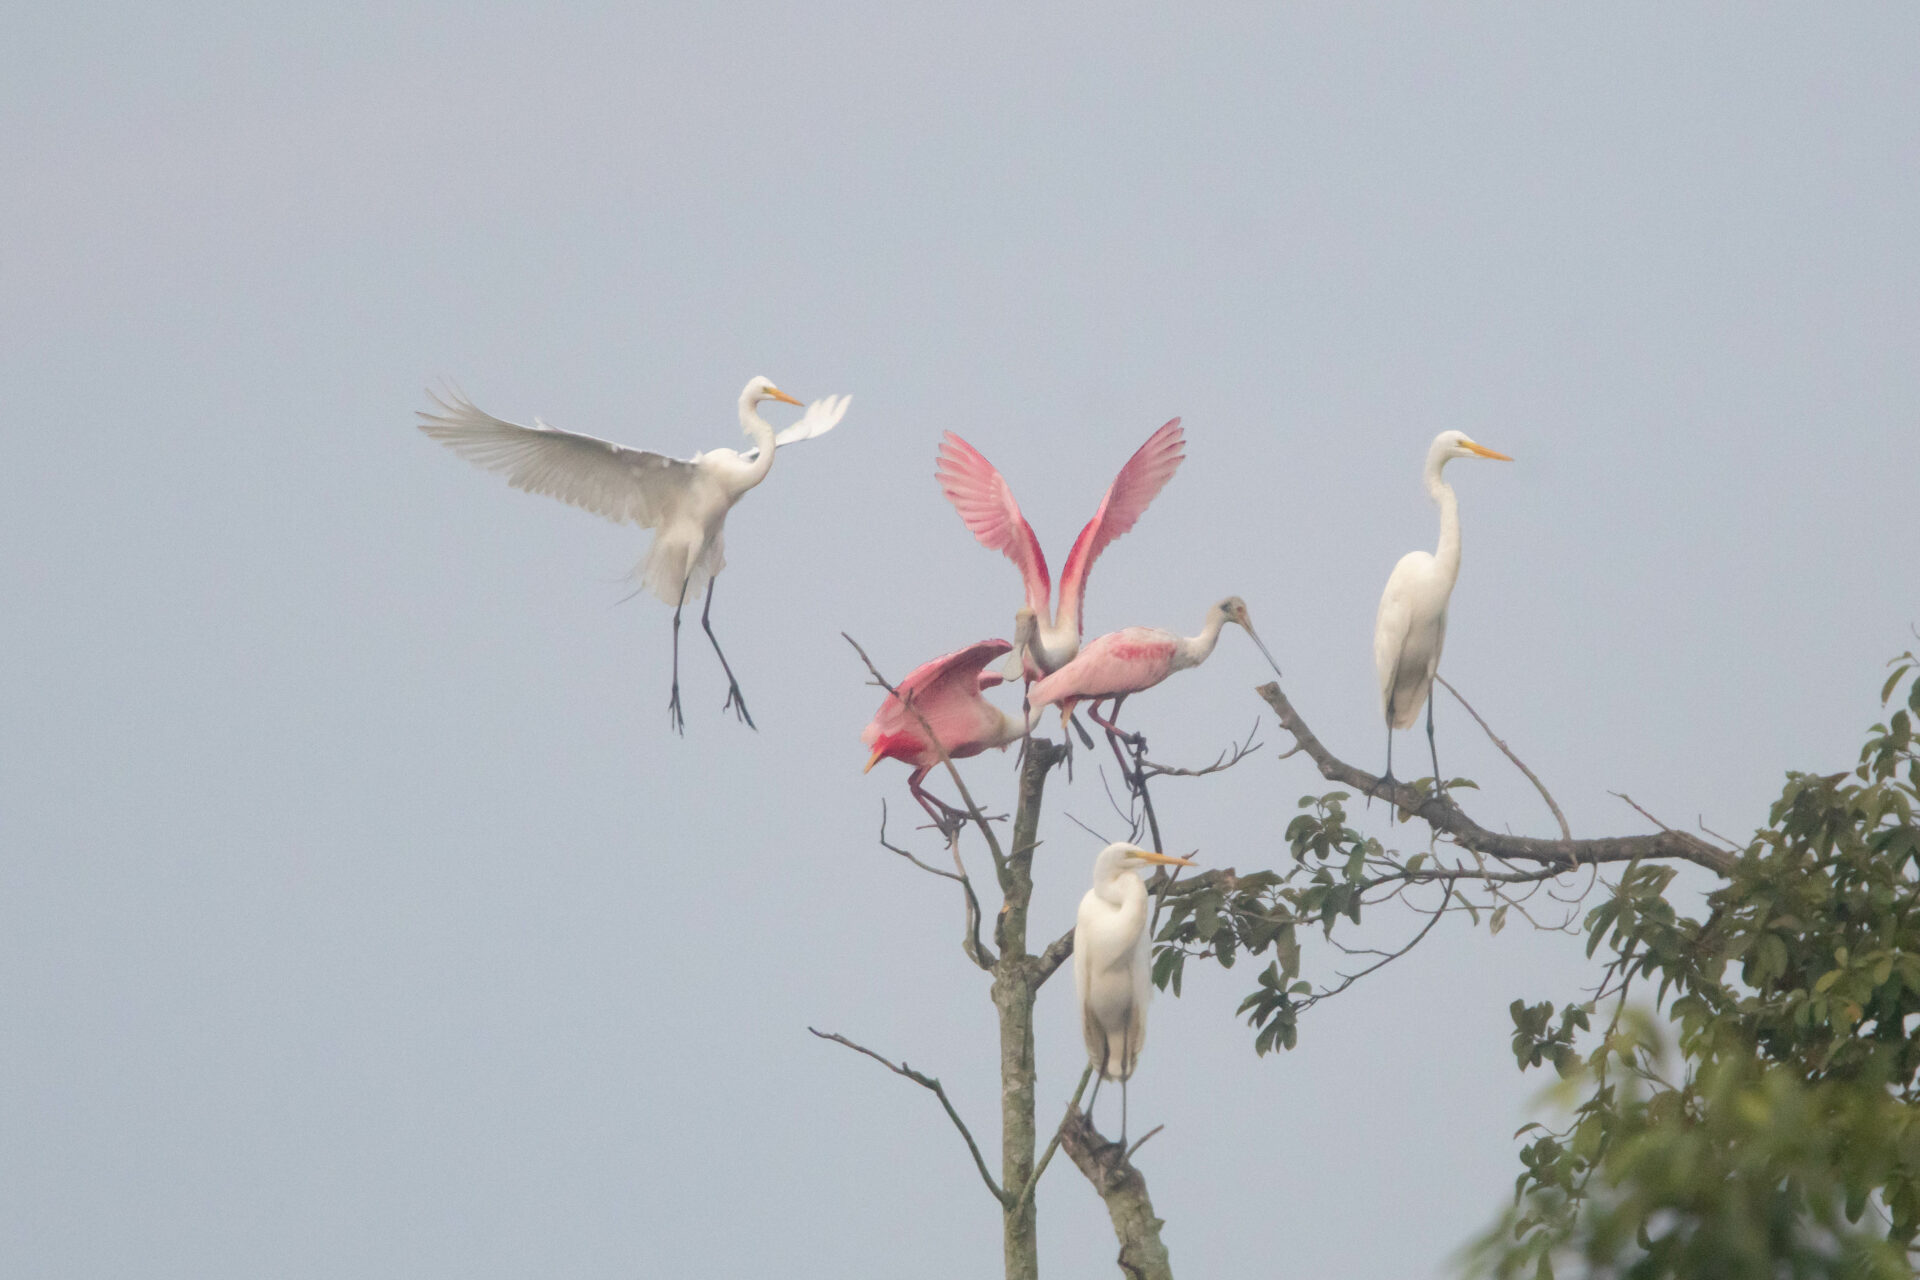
(1780,1135)
(1336,871)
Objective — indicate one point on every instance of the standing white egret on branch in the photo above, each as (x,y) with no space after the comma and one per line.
(1412,622)
(1111,969)
(685,501)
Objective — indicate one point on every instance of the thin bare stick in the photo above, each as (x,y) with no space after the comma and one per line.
(1026,1192)
(1348,980)
(926,1082)
(1621,795)
(970,943)
(1128,1157)
(894,848)
(1505,750)
(1222,762)
(1089,830)
(1702,823)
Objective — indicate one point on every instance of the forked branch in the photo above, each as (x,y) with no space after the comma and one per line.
(1447,818)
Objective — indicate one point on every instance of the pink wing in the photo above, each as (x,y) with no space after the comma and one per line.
(1116,663)
(984,501)
(1138,483)
(929,685)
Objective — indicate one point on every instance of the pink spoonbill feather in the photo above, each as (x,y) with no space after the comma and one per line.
(985,502)
(1125,662)
(946,693)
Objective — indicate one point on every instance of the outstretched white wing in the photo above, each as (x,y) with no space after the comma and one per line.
(598,475)
(821,417)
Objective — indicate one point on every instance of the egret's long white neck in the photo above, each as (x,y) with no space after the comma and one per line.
(1191,651)
(1447,554)
(1122,888)
(756,426)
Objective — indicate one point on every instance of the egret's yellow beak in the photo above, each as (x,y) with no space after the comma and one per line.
(1484,452)
(873,760)
(1164,859)
(776,393)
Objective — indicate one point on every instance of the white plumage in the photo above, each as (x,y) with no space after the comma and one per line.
(684,501)
(1411,626)
(1111,970)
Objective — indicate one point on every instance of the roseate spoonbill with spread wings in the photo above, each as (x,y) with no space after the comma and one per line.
(685,501)
(985,502)
(946,693)
(1110,965)
(1412,622)
(1125,662)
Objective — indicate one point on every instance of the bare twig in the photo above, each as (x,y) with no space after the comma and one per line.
(1225,760)
(1541,787)
(1347,980)
(894,848)
(970,943)
(1447,818)
(1702,823)
(926,1082)
(1143,1142)
(1089,830)
(1621,795)
(1026,1192)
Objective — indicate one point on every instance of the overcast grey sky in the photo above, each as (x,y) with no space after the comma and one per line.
(359,915)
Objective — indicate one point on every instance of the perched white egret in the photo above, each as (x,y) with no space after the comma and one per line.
(1412,623)
(685,501)
(1111,970)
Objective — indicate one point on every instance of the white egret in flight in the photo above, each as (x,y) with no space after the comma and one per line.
(1111,969)
(1412,622)
(684,501)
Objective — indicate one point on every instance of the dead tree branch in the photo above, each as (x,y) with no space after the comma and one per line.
(1073,1108)
(970,943)
(1565,832)
(1142,1253)
(1447,818)
(927,1082)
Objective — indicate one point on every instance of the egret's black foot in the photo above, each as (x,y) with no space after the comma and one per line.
(737,703)
(674,718)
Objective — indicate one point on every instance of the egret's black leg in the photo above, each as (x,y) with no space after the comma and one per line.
(1387,779)
(1123,1115)
(674,717)
(736,701)
(1099,1074)
(1430,747)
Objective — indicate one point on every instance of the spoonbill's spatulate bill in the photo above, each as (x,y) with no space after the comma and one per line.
(1111,967)
(1412,623)
(986,504)
(684,501)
